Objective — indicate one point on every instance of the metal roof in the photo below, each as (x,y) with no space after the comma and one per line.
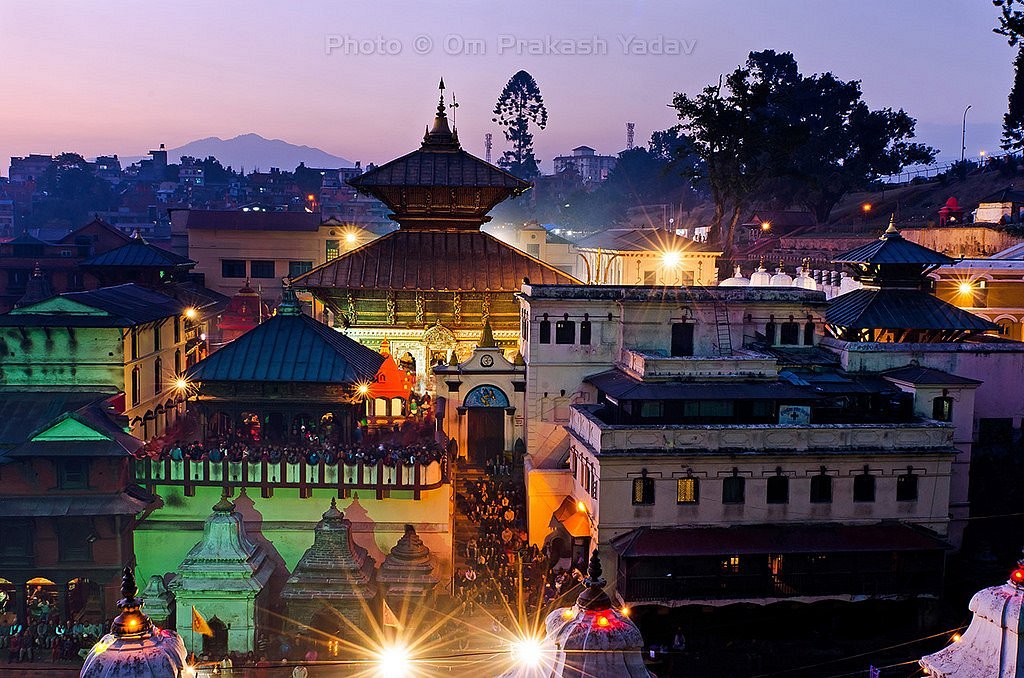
(138,253)
(121,503)
(893,248)
(647,542)
(134,303)
(893,309)
(433,260)
(618,384)
(290,348)
(425,167)
(927,376)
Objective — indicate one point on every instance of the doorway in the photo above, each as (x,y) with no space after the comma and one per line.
(682,339)
(486,435)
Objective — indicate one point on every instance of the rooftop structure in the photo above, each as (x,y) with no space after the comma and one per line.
(644,256)
(430,286)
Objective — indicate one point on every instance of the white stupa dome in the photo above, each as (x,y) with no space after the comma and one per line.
(760,277)
(737,279)
(781,279)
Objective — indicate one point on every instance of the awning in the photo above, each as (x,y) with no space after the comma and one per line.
(53,506)
(647,542)
(575,522)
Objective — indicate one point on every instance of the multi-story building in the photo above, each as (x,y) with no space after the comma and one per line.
(57,260)
(66,503)
(29,167)
(644,256)
(990,287)
(6,218)
(231,247)
(592,168)
(125,340)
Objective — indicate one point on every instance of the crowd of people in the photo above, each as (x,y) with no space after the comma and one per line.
(389,452)
(48,640)
(493,559)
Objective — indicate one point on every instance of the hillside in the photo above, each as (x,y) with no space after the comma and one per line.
(252,151)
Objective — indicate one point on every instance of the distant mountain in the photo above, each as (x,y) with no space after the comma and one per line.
(252,151)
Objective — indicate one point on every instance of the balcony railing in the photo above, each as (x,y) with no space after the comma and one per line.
(269,476)
(743,364)
(919,435)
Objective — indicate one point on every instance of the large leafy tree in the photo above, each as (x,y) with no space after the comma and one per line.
(1011,25)
(772,135)
(519,105)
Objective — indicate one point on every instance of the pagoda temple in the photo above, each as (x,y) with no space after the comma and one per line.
(223,577)
(333,586)
(430,286)
(894,303)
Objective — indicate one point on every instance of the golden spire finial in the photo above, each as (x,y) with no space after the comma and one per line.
(892,224)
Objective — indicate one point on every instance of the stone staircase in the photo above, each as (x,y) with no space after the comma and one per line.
(465,529)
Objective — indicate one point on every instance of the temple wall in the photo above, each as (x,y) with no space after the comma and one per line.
(285,523)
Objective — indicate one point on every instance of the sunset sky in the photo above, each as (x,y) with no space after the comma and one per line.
(122,77)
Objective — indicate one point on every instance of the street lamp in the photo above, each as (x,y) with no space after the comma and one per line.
(963,143)
(527,652)
(394,662)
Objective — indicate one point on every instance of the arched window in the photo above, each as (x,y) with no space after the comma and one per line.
(778,488)
(687,490)
(864,487)
(821,488)
(177,363)
(643,490)
(158,376)
(135,386)
(769,331)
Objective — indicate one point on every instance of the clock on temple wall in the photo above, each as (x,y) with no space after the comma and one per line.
(486,360)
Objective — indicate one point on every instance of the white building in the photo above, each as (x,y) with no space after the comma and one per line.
(585,160)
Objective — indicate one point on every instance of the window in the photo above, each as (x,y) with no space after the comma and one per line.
(821,488)
(732,489)
(177,363)
(906,486)
(650,277)
(333,249)
(651,409)
(74,538)
(864,487)
(135,343)
(533,250)
(297,268)
(76,281)
(565,332)
(769,331)
(17,541)
(778,489)
(789,333)
(942,408)
(682,340)
(545,331)
(135,386)
(17,278)
(809,334)
(156,337)
(731,565)
(177,330)
(261,268)
(687,491)
(585,333)
(232,268)
(72,474)
(643,491)
(158,376)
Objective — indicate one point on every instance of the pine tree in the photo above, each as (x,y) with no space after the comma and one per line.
(1013,120)
(520,104)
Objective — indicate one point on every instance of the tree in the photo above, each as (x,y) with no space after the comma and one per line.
(771,134)
(1011,25)
(71,192)
(520,104)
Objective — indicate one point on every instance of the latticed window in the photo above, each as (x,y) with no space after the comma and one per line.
(821,488)
(643,491)
(687,491)
(733,489)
